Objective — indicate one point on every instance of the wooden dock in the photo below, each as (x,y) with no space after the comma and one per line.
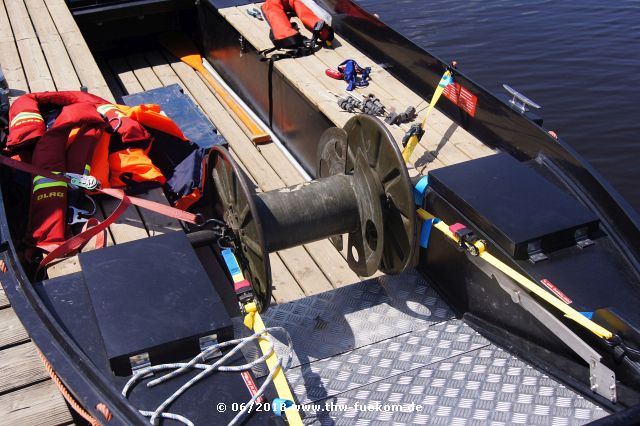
(41,48)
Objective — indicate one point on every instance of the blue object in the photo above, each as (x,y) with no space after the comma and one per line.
(230,261)
(350,70)
(446,80)
(279,405)
(425,232)
(587,314)
(181,109)
(420,189)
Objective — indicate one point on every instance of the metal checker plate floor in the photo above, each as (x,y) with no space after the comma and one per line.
(360,314)
(485,386)
(392,340)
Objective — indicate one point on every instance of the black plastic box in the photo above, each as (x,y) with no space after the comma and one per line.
(513,204)
(153,296)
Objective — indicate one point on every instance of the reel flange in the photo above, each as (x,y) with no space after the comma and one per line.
(363,190)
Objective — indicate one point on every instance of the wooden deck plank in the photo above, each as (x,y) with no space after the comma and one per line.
(12,69)
(12,331)
(77,49)
(143,72)
(4,300)
(60,65)
(20,20)
(306,272)
(31,55)
(123,72)
(20,366)
(9,57)
(40,404)
(285,286)
(35,66)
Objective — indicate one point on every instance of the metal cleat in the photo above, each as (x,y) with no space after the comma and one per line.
(520,102)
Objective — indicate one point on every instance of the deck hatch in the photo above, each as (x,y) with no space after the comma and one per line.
(154,296)
(513,204)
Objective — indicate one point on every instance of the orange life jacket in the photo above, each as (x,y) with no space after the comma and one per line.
(283,34)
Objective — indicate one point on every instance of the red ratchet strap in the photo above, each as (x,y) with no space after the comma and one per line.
(77,241)
(116,193)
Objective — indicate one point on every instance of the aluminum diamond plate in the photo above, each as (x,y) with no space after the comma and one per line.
(357,315)
(485,386)
(381,360)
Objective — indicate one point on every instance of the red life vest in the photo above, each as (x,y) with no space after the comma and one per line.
(80,133)
(283,34)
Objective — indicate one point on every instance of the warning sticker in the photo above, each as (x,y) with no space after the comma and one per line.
(555,290)
(460,96)
(251,385)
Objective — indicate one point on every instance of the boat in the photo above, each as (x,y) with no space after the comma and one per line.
(320,280)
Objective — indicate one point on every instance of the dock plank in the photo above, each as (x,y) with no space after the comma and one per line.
(82,58)
(4,300)
(9,57)
(12,331)
(60,65)
(127,77)
(31,55)
(143,72)
(285,287)
(20,366)
(40,404)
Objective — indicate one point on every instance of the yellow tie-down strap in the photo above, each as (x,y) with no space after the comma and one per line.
(525,282)
(253,320)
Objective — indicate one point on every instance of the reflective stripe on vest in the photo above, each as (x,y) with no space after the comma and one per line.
(41,182)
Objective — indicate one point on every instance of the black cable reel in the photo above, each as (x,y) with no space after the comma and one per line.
(362,189)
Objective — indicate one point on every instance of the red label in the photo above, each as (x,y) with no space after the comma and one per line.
(555,290)
(460,96)
(251,385)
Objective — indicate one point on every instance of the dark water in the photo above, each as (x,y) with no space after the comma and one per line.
(580,60)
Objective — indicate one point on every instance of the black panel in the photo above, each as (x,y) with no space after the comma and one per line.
(68,300)
(154,296)
(297,122)
(512,203)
